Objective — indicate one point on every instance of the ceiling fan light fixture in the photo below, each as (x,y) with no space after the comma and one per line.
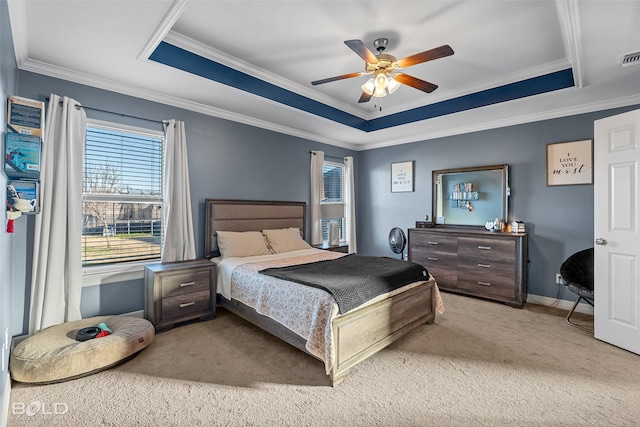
(381,81)
(379,93)
(368,87)
(393,85)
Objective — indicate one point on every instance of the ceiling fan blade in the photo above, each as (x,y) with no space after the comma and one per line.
(427,55)
(333,79)
(415,83)
(364,98)
(362,50)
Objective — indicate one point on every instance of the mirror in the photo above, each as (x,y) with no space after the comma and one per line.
(470,196)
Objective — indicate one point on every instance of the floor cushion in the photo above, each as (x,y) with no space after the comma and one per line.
(53,354)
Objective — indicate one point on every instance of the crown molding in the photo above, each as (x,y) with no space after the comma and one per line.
(571,36)
(220,57)
(18,22)
(89,80)
(512,121)
(164,26)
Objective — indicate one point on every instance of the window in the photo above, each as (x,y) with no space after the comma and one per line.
(333,177)
(122,194)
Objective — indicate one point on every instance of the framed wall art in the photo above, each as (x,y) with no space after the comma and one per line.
(570,163)
(402,177)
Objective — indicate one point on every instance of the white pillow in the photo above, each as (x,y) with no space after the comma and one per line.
(285,240)
(241,244)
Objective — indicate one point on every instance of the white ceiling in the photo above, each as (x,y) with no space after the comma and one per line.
(107,44)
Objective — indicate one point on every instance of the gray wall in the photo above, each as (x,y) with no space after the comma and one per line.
(8,73)
(226,160)
(559,219)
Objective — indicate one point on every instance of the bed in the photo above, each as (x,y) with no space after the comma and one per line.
(340,340)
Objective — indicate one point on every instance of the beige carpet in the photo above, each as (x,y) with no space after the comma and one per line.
(481,363)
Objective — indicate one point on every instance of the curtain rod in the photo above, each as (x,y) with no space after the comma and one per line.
(330,157)
(116,113)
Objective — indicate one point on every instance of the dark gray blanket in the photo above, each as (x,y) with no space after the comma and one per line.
(353,279)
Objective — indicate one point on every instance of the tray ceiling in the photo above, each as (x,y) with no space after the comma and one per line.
(253,61)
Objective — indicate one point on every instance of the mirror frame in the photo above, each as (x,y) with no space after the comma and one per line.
(506,191)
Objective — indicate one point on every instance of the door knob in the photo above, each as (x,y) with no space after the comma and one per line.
(600,241)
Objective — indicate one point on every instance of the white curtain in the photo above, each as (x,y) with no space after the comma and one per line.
(179,240)
(56,284)
(317,190)
(350,204)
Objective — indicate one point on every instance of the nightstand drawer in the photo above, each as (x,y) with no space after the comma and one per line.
(185,305)
(185,283)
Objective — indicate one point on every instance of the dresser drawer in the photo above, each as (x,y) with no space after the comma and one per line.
(186,304)
(478,250)
(430,242)
(485,286)
(496,272)
(430,259)
(184,282)
(444,277)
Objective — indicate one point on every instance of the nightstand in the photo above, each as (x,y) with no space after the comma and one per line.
(179,291)
(341,247)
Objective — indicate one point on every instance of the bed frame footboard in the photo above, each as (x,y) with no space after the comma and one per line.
(363,332)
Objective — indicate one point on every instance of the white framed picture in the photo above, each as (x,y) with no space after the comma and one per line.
(402,177)
(570,163)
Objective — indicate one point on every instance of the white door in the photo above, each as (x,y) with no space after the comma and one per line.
(617,230)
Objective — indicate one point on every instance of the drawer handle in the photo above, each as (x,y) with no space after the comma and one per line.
(484,283)
(432,243)
(430,258)
(187,304)
(183,285)
(486,248)
(484,265)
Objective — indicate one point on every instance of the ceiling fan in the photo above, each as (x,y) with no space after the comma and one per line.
(385,69)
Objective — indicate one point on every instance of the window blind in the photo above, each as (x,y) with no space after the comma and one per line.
(333,177)
(122,196)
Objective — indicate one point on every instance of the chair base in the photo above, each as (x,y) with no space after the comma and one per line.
(568,319)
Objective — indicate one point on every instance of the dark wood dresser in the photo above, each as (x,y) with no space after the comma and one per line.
(485,264)
(179,291)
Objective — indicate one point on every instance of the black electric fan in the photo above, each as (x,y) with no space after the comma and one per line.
(397,241)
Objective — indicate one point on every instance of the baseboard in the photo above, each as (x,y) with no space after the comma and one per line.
(559,303)
(4,405)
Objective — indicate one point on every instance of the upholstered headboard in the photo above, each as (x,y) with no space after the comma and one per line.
(250,215)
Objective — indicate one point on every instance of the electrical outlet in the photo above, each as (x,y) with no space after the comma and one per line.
(559,279)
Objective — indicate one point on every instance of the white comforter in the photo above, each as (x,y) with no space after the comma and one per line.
(305,310)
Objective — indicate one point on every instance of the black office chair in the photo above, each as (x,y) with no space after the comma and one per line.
(577,273)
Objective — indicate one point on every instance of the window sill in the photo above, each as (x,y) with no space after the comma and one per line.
(102,275)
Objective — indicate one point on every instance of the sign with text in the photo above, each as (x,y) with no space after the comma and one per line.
(401,177)
(570,163)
